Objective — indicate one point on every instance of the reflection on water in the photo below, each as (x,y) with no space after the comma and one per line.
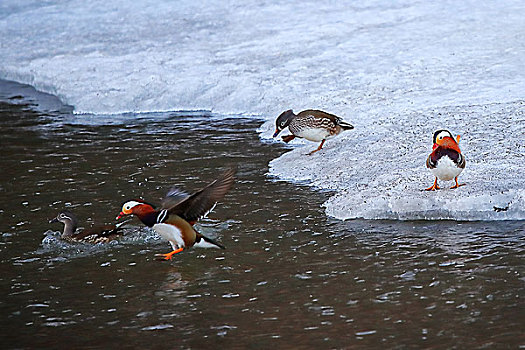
(289,278)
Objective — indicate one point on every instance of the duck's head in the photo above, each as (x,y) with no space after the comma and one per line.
(65,217)
(445,138)
(283,121)
(134,207)
(69,220)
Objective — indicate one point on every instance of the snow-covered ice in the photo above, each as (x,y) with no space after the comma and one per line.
(397,70)
(378,170)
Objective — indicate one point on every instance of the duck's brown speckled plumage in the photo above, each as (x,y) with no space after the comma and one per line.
(313,125)
(314,119)
(96,234)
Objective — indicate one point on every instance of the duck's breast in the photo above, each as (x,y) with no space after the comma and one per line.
(177,231)
(314,134)
(446,169)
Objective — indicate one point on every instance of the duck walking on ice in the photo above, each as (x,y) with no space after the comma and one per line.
(311,124)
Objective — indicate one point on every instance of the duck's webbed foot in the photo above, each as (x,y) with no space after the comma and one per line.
(457,184)
(318,148)
(169,255)
(434,186)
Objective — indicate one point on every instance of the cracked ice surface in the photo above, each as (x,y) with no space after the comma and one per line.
(398,70)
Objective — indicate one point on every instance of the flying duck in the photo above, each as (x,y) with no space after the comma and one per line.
(178,213)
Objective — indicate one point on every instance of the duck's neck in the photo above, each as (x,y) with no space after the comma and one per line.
(147,214)
(69,229)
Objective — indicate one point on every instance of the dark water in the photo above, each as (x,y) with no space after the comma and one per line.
(289,278)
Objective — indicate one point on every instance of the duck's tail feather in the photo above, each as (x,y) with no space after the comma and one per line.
(345,126)
(202,241)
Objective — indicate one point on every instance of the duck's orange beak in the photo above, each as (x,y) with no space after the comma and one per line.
(121,215)
(277,131)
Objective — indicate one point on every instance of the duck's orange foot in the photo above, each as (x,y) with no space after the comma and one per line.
(433,187)
(169,255)
(457,184)
(318,148)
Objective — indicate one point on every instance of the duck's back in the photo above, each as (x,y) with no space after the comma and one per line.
(319,115)
(98,234)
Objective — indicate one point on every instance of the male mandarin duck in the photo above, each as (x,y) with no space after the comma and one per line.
(313,125)
(97,234)
(446,161)
(178,213)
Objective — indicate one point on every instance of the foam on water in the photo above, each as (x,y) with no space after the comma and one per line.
(65,250)
(396,70)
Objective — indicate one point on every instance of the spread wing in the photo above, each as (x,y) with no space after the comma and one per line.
(201,202)
(174,197)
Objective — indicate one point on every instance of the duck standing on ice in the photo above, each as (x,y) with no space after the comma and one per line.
(446,161)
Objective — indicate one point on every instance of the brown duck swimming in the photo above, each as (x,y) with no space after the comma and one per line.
(96,234)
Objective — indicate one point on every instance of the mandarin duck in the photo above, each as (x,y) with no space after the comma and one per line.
(446,161)
(313,125)
(178,213)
